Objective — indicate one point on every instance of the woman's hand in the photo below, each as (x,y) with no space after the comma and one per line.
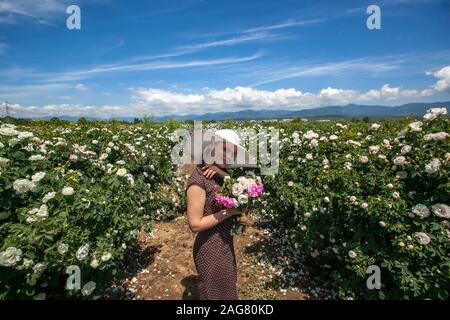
(210,170)
(231,212)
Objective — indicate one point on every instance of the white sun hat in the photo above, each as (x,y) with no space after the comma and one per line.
(212,139)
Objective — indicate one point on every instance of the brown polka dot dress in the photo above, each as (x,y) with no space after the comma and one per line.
(213,250)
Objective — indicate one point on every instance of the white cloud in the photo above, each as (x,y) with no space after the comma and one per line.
(443,84)
(146,66)
(355,66)
(164,102)
(230,41)
(231,99)
(39,11)
(287,24)
(81,87)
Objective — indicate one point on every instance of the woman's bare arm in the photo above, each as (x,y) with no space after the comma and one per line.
(196,197)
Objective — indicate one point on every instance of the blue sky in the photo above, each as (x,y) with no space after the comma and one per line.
(197,56)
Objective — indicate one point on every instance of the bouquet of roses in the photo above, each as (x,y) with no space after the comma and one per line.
(244,193)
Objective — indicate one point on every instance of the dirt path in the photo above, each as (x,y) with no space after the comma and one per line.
(162,267)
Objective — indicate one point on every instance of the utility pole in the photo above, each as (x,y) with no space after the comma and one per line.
(7,108)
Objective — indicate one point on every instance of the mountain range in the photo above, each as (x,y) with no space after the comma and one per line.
(329,112)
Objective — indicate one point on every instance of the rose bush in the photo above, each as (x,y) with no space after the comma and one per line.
(77,194)
(369,195)
(350,194)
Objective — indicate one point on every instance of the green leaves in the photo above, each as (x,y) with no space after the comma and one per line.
(384,232)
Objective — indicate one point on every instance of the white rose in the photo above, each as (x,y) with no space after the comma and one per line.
(62,248)
(48,196)
(374,149)
(10,257)
(68,191)
(39,268)
(314,143)
(3,162)
(437,111)
(106,256)
(436,136)
(25,135)
(82,252)
(333,137)
(94,264)
(23,185)
(416,126)
(103,156)
(364,205)
(121,172)
(38,176)
(441,210)
(8,130)
(375,126)
(27,263)
(42,213)
(405,149)
(424,239)
(420,210)
(237,189)
(363,159)
(399,161)
(36,157)
(310,135)
(242,199)
(88,288)
(433,166)
(352,254)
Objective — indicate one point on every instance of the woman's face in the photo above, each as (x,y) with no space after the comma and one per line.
(229,152)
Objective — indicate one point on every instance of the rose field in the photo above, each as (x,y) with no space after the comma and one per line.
(348,194)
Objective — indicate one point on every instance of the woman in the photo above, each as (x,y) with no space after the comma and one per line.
(213,250)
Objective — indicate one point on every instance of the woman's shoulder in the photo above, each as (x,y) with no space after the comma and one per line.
(196,178)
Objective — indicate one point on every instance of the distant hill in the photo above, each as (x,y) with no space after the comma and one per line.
(346,111)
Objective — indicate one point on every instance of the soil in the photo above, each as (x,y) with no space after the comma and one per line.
(161,266)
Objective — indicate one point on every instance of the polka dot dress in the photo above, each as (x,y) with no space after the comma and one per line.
(213,250)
